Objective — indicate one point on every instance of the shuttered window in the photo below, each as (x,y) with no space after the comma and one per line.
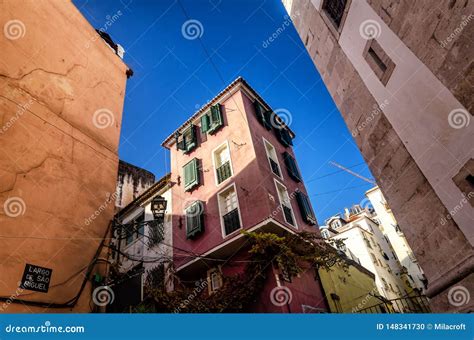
(188,140)
(284,136)
(305,208)
(191,174)
(292,167)
(194,219)
(212,121)
(263,115)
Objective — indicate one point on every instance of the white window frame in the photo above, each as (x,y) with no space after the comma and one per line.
(211,271)
(221,210)
(226,143)
(265,141)
(278,183)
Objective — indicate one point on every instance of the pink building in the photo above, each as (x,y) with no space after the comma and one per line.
(233,168)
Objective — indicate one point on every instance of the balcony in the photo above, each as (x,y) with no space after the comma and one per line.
(231,221)
(288,215)
(275,167)
(223,172)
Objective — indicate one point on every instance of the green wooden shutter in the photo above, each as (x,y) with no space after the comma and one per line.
(305,208)
(291,166)
(263,116)
(194,219)
(205,124)
(189,138)
(216,118)
(191,175)
(284,136)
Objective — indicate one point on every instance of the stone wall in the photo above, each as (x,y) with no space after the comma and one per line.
(131,182)
(442,250)
(61,100)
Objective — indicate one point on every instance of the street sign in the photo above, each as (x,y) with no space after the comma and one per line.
(36,278)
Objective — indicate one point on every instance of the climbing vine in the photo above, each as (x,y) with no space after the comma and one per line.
(292,253)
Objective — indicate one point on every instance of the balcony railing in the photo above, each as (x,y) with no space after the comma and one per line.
(156,233)
(231,221)
(275,168)
(223,172)
(412,304)
(288,215)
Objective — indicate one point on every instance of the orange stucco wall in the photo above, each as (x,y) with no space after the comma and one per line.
(61,101)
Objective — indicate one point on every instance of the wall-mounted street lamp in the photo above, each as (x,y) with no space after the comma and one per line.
(158,207)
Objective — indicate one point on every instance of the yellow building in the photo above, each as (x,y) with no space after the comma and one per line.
(350,289)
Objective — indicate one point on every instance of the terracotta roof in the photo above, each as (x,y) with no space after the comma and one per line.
(214,101)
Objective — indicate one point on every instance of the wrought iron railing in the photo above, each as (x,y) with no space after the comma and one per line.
(412,304)
(223,172)
(231,221)
(288,215)
(156,232)
(275,168)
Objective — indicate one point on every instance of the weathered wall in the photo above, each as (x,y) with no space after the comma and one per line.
(61,101)
(415,201)
(131,182)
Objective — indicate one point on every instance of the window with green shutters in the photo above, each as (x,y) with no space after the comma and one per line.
(305,208)
(188,140)
(291,166)
(212,121)
(284,136)
(194,219)
(191,174)
(263,115)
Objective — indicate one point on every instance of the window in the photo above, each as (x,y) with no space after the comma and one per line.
(284,136)
(263,115)
(135,229)
(272,158)
(187,141)
(229,210)
(291,166)
(305,208)
(335,10)
(222,163)
(194,219)
(367,242)
(285,204)
(374,259)
(378,60)
(325,234)
(464,180)
(214,279)
(212,121)
(191,174)
(336,224)
(384,282)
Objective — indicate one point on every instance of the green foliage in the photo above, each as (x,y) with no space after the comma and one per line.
(292,254)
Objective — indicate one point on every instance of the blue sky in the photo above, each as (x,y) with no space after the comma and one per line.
(174,76)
